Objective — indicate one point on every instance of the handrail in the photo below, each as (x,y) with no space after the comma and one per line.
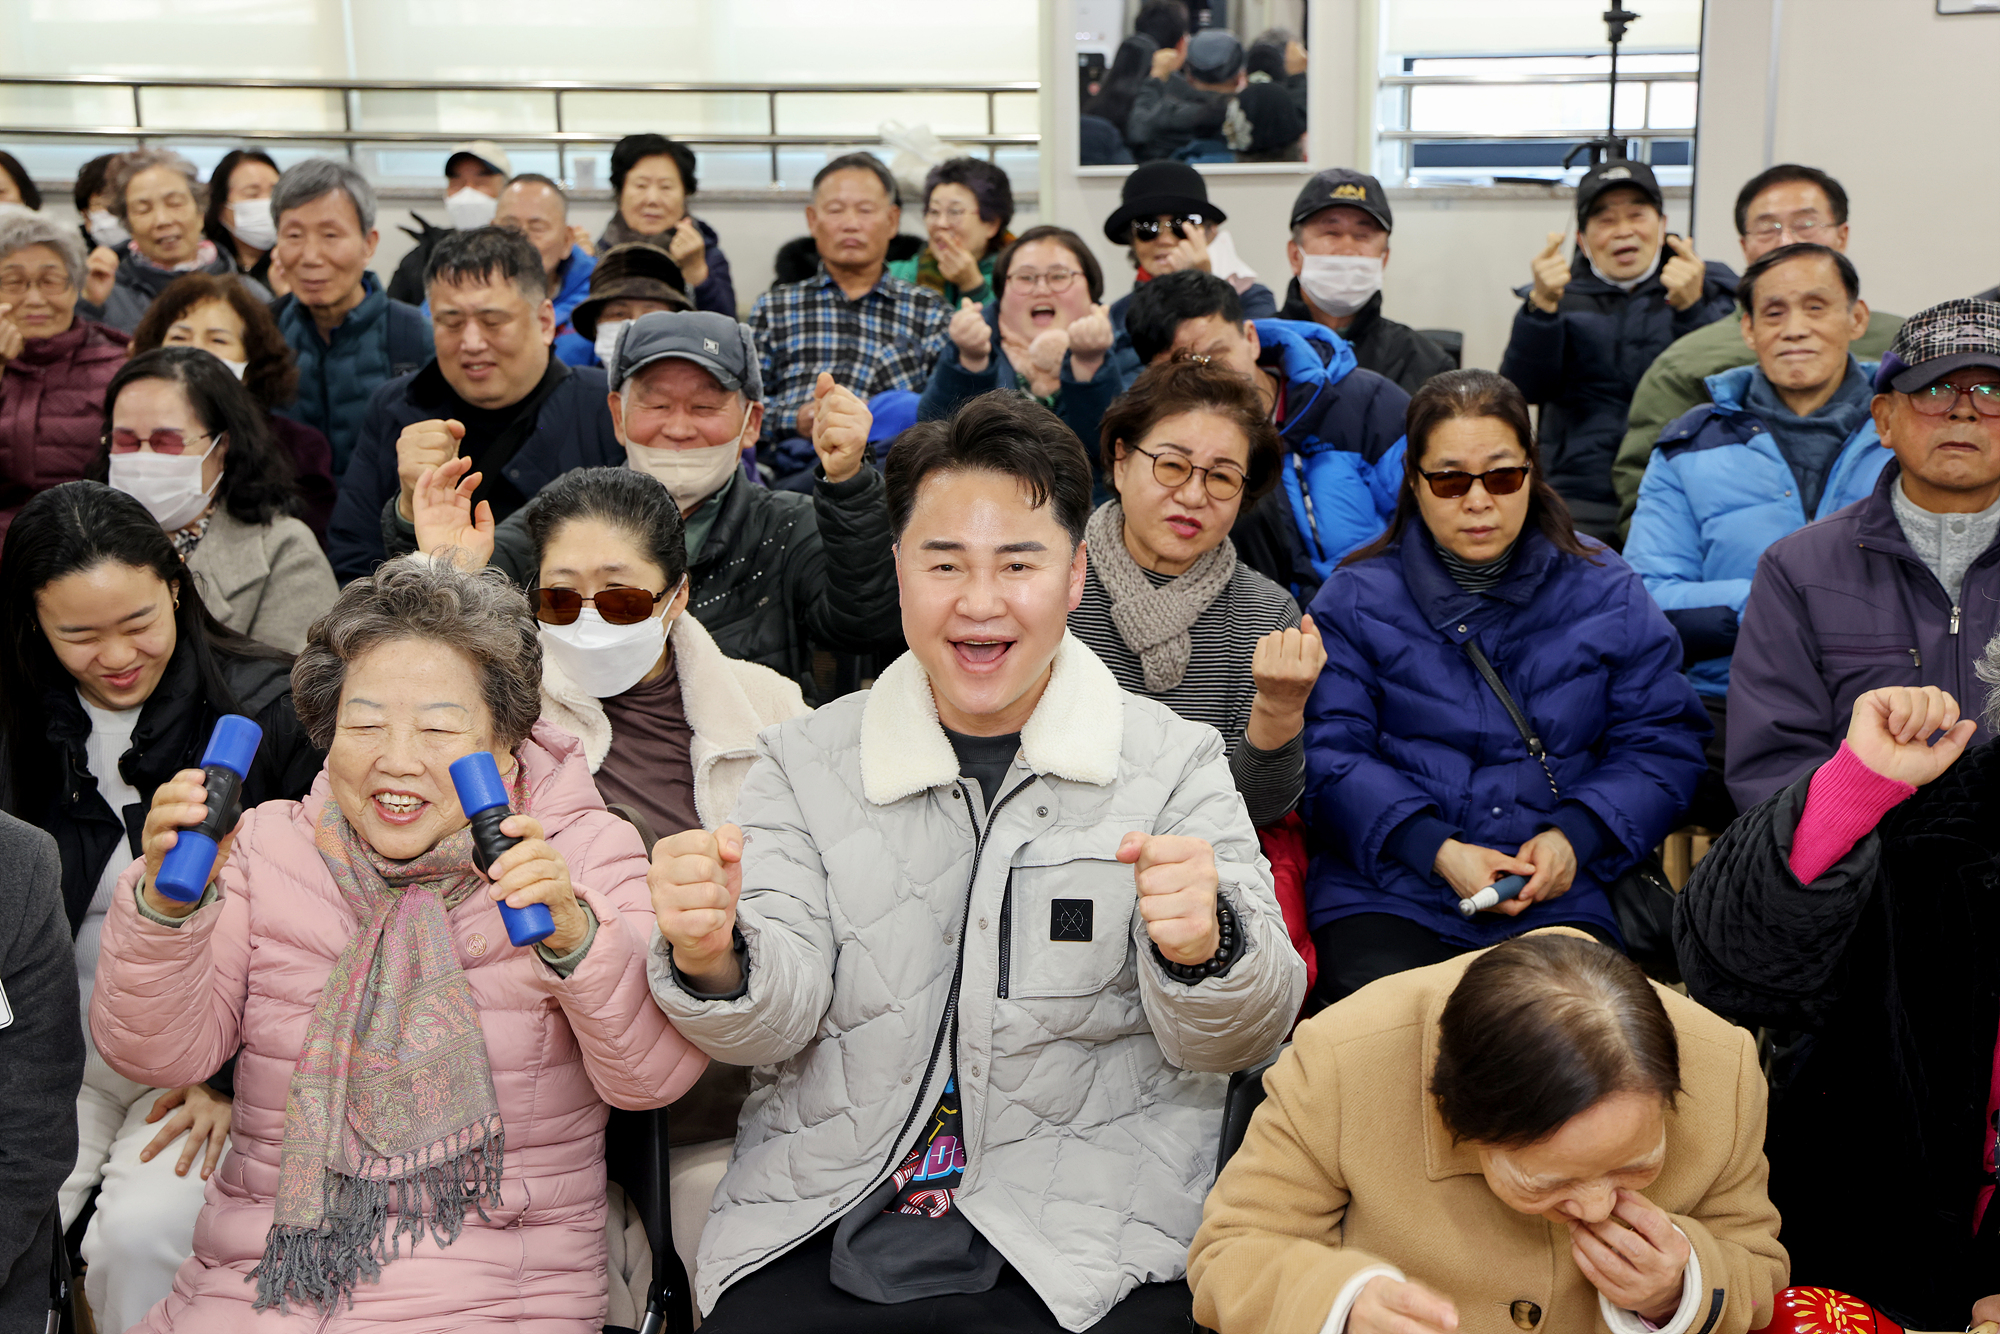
(561,136)
(1529,80)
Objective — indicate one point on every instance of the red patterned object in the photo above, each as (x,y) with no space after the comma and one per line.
(1824,1311)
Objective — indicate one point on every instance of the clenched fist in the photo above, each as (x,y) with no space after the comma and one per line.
(840,429)
(100,272)
(1892,728)
(1090,338)
(12,340)
(422,446)
(687,249)
(1683,275)
(179,803)
(1551,275)
(696,879)
(1176,879)
(971,336)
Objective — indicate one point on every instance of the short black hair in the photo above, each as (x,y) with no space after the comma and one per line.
(1160,307)
(632,501)
(1002,432)
(861,162)
(90,179)
(1541,1029)
(1786,173)
(1086,263)
(1165,21)
(988,185)
(477,254)
(30,194)
(1746,290)
(636,148)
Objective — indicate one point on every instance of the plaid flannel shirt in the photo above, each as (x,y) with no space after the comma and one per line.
(889,339)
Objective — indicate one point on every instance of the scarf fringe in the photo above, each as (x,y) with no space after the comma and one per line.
(367,1217)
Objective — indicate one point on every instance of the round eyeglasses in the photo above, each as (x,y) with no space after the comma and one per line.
(1223,482)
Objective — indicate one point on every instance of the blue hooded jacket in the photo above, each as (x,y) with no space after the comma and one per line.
(1717,492)
(1400,727)
(1342,429)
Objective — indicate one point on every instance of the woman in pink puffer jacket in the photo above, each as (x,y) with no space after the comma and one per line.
(381,1013)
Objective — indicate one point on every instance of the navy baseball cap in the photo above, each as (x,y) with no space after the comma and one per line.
(712,341)
(1609,175)
(1933,343)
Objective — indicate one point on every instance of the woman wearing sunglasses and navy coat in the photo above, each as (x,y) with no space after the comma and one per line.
(185,439)
(1420,788)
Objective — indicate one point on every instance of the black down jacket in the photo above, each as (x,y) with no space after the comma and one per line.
(1887,963)
(781,573)
(1581,365)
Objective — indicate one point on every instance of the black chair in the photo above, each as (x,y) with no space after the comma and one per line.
(1246,1094)
(1452,341)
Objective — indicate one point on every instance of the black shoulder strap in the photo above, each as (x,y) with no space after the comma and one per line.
(1492,679)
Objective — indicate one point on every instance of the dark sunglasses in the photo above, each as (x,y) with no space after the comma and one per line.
(1497,481)
(619,606)
(1149,229)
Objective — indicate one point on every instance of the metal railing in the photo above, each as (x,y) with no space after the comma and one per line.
(561,136)
(1642,131)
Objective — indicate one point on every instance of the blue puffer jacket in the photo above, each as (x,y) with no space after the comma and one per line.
(379,340)
(574,287)
(1342,429)
(1717,492)
(1400,726)
(1581,365)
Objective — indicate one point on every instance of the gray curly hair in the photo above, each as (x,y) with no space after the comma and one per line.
(480,614)
(31,229)
(131,164)
(1988,668)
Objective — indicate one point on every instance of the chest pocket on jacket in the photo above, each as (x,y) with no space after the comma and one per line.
(1069,925)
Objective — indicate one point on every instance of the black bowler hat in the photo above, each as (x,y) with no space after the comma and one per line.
(1156,189)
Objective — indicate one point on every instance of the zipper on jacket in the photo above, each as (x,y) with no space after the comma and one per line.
(1916,657)
(1954,618)
(1007,934)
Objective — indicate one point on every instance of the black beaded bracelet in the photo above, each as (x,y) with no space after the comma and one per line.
(1228,947)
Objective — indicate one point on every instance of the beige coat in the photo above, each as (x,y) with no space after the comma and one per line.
(268,581)
(1347,1165)
(728,702)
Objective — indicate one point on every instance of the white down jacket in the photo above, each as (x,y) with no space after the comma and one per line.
(877,902)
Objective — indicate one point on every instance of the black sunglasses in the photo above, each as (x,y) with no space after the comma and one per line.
(1149,229)
(1497,481)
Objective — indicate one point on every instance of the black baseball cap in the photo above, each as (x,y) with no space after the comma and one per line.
(712,341)
(1156,189)
(1344,186)
(1612,173)
(1933,343)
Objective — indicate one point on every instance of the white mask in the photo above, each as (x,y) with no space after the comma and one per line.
(470,208)
(253,225)
(690,475)
(605,659)
(105,229)
(168,485)
(236,368)
(1341,284)
(607,339)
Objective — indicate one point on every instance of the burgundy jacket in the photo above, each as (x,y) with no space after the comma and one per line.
(1839,608)
(52,410)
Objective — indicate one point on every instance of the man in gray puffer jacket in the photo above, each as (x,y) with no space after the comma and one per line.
(994,932)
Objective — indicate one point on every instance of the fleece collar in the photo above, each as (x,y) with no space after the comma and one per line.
(1077,730)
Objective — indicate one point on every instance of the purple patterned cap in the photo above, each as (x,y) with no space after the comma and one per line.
(1935,342)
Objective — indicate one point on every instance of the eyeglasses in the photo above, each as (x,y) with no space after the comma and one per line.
(1057,281)
(619,606)
(1450,485)
(1803,228)
(1941,399)
(165,440)
(1173,470)
(1149,229)
(50,283)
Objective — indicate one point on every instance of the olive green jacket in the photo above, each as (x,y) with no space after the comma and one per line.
(1677,383)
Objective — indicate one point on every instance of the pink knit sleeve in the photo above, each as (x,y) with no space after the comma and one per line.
(1845,801)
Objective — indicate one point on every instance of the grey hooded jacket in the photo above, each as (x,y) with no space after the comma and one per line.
(878,904)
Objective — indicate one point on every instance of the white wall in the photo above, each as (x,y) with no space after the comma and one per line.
(1896,101)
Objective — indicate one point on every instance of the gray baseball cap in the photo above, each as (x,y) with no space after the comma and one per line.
(712,341)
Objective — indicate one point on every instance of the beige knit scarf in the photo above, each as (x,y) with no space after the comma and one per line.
(1154,622)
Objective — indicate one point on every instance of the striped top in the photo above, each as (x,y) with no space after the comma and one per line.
(1218,689)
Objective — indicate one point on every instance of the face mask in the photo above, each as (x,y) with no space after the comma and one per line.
(105,229)
(1341,284)
(168,485)
(236,368)
(690,475)
(605,659)
(253,225)
(469,208)
(1627,284)
(607,338)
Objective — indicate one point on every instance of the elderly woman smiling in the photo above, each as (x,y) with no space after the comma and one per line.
(1535,1135)
(339,930)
